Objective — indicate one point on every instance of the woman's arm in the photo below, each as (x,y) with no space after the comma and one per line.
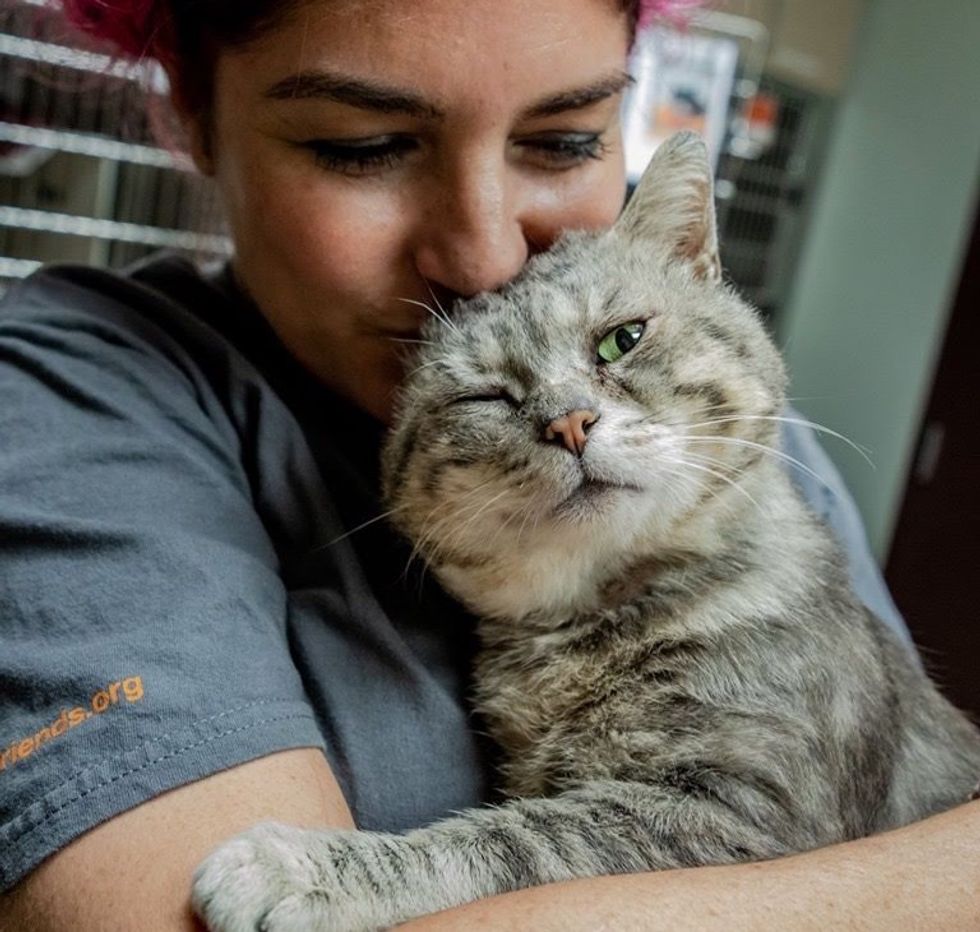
(134,871)
(925,876)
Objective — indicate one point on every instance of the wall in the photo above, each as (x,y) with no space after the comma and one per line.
(810,40)
(867,314)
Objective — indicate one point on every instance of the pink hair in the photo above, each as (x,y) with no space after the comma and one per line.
(142,28)
(137,28)
(670,10)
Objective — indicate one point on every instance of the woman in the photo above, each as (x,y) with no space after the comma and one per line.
(180,645)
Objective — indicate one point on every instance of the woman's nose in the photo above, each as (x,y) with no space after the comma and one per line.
(473,234)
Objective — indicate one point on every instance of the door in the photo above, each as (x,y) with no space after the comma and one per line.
(933,569)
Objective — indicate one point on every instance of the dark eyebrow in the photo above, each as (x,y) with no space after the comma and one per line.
(369,95)
(354,92)
(580,97)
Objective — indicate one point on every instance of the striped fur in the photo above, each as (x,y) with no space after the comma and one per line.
(673,662)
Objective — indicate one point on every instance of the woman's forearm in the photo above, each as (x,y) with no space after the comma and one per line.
(924,876)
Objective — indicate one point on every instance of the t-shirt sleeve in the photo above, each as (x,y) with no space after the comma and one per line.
(142,617)
(817,479)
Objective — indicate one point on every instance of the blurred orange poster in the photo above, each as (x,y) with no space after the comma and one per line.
(682,81)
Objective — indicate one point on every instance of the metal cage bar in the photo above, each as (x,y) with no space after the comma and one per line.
(82,177)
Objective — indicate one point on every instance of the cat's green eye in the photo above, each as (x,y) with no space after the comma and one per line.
(620,341)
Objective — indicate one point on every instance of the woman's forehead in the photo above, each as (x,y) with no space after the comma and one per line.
(439,52)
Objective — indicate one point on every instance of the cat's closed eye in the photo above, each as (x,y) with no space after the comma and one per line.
(485,397)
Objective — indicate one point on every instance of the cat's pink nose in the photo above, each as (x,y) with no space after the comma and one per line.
(571,429)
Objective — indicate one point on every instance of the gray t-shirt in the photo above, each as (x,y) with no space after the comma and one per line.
(170,600)
(173,597)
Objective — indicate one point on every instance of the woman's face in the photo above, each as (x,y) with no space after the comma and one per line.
(373,154)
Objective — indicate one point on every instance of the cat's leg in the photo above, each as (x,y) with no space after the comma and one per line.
(281,879)
(277,878)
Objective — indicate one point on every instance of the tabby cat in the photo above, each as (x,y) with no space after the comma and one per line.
(672,660)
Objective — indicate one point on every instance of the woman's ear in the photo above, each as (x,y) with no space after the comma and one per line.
(195,128)
(199,146)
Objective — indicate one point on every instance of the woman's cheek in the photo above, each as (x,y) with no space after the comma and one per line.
(585,199)
(330,224)
(593,200)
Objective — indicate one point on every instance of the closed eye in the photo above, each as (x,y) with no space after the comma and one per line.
(361,156)
(487,397)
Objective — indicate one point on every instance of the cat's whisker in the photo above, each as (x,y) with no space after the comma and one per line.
(678,473)
(813,425)
(460,508)
(764,448)
(465,497)
(424,547)
(509,489)
(528,514)
(360,527)
(435,299)
(420,543)
(712,461)
(717,475)
(425,307)
(410,340)
(424,365)
(461,530)
(515,490)
(441,316)
(724,469)
(432,526)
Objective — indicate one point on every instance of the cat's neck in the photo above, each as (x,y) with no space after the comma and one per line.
(552,580)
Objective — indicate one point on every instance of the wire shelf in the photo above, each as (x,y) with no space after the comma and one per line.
(94,228)
(83,177)
(17,268)
(102,147)
(48,53)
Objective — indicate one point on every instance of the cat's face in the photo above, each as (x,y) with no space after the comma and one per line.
(558,430)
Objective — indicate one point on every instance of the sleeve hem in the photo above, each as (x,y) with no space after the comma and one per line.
(123,782)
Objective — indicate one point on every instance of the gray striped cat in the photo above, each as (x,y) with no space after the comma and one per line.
(672,659)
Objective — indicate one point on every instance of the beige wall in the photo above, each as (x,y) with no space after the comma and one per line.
(883,254)
(811,40)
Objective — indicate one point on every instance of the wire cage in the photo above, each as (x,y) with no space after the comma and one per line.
(763,200)
(82,177)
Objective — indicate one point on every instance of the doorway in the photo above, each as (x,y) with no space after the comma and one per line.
(933,569)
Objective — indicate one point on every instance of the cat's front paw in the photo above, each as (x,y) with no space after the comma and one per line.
(264,880)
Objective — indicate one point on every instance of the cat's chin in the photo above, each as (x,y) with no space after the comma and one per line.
(591,499)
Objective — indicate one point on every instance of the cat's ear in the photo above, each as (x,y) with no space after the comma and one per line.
(673,205)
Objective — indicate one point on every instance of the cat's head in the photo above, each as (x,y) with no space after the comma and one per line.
(590,413)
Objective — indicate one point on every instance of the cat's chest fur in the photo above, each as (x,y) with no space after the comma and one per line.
(551,694)
(605,694)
